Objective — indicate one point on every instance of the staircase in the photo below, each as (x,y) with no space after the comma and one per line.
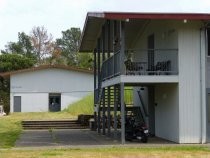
(142,111)
(52,124)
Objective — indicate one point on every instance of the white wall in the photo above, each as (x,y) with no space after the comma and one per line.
(31,102)
(167,112)
(34,87)
(185,37)
(52,80)
(189,83)
(166,37)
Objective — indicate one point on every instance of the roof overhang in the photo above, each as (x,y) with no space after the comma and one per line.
(95,20)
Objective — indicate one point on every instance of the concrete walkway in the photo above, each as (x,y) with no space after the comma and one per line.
(67,137)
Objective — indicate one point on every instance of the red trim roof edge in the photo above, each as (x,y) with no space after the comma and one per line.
(124,15)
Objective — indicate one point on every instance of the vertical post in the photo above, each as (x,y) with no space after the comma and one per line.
(108,55)
(122,47)
(115,111)
(114,44)
(122,70)
(99,87)
(122,113)
(103,58)
(104,125)
(95,94)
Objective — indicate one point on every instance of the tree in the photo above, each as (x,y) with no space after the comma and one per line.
(42,43)
(11,62)
(23,46)
(69,45)
(85,60)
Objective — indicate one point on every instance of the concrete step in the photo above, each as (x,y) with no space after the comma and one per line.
(55,124)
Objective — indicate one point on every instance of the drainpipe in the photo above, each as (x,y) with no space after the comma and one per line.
(203,50)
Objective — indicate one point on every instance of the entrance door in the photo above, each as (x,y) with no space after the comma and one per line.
(151,109)
(151,47)
(17,104)
(54,102)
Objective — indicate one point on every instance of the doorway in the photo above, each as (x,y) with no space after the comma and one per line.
(54,102)
(17,104)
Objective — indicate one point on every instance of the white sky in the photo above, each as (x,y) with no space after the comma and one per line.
(59,15)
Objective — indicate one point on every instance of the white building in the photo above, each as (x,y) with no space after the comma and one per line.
(167,54)
(47,88)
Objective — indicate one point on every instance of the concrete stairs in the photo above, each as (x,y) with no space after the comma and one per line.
(52,124)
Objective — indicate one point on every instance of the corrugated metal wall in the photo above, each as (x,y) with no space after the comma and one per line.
(189,85)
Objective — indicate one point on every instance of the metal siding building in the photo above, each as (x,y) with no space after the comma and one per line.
(37,85)
(176,95)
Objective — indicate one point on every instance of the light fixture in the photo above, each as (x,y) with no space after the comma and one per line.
(185,21)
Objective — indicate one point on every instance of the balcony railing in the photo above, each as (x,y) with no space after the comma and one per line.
(111,66)
(142,62)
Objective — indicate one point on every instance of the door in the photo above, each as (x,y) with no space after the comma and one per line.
(151,109)
(54,102)
(17,104)
(151,47)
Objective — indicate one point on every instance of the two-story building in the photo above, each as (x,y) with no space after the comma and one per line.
(164,57)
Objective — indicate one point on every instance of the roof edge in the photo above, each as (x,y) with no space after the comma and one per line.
(43,67)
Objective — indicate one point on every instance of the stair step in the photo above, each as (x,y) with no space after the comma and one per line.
(55,124)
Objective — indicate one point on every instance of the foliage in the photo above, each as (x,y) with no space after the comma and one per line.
(23,46)
(42,43)
(83,106)
(69,44)
(11,62)
(85,60)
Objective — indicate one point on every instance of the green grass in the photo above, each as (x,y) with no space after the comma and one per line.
(10,126)
(83,106)
(112,152)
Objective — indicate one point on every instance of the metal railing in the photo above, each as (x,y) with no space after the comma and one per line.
(111,66)
(142,62)
(152,62)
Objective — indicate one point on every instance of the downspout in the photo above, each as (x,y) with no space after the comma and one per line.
(202,84)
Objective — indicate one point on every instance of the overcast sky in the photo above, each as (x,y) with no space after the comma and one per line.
(59,15)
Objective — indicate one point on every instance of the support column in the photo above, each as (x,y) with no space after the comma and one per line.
(95,94)
(99,87)
(115,111)
(103,59)
(122,70)
(122,113)
(108,90)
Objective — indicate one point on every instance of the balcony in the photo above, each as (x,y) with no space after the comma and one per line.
(153,62)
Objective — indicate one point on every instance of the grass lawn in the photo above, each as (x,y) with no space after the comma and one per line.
(10,126)
(119,152)
(83,106)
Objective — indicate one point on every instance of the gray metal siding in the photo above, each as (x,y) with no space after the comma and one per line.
(189,85)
